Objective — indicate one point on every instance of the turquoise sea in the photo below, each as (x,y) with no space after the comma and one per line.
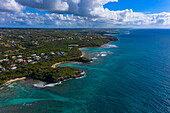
(131,75)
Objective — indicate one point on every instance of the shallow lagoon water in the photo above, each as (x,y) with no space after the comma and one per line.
(130,75)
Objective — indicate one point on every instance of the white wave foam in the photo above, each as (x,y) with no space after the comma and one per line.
(103,52)
(81,77)
(42,85)
(98,54)
(109,46)
(83,73)
(94,58)
(103,55)
(52,84)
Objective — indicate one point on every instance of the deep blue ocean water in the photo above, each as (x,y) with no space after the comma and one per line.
(131,75)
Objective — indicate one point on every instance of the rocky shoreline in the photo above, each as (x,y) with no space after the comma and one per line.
(59,80)
(71,77)
(65,78)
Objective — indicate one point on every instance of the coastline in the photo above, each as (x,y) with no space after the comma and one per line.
(83,54)
(16,79)
(82,74)
(54,65)
(60,80)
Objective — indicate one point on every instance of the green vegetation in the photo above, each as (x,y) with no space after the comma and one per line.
(75,52)
(46,74)
(32,52)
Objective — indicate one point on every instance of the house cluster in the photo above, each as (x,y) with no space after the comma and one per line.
(13,43)
(58,53)
(35,42)
(70,46)
(11,62)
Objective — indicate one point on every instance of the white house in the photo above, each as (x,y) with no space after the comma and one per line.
(5,55)
(20,60)
(19,56)
(13,57)
(52,53)
(42,54)
(29,61)
(14,68)
(45,56)
(5,60)
(33,55)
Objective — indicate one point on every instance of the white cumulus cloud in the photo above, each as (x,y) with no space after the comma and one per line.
(10,6)
(50,5)
(80,13)
(76,7)
(125,18)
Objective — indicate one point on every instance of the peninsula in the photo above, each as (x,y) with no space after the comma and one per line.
(36,52)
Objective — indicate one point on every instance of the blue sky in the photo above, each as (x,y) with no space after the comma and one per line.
(85,13)
(152,6)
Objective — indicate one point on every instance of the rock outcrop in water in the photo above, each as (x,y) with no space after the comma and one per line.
(70,77)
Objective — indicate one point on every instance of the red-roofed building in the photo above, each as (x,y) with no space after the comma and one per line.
(12,65)
(3,69)
(24,63)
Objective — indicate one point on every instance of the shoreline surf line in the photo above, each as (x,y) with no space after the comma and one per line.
(60,80)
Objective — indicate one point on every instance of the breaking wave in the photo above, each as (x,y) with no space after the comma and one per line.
(102,54)
(109,46)
(43,85)
(81,77)
(94,58)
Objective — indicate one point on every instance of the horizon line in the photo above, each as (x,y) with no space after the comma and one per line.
(73,28)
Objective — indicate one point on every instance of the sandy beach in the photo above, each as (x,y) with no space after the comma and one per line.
(83,54)
(54,65)
(14,80)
